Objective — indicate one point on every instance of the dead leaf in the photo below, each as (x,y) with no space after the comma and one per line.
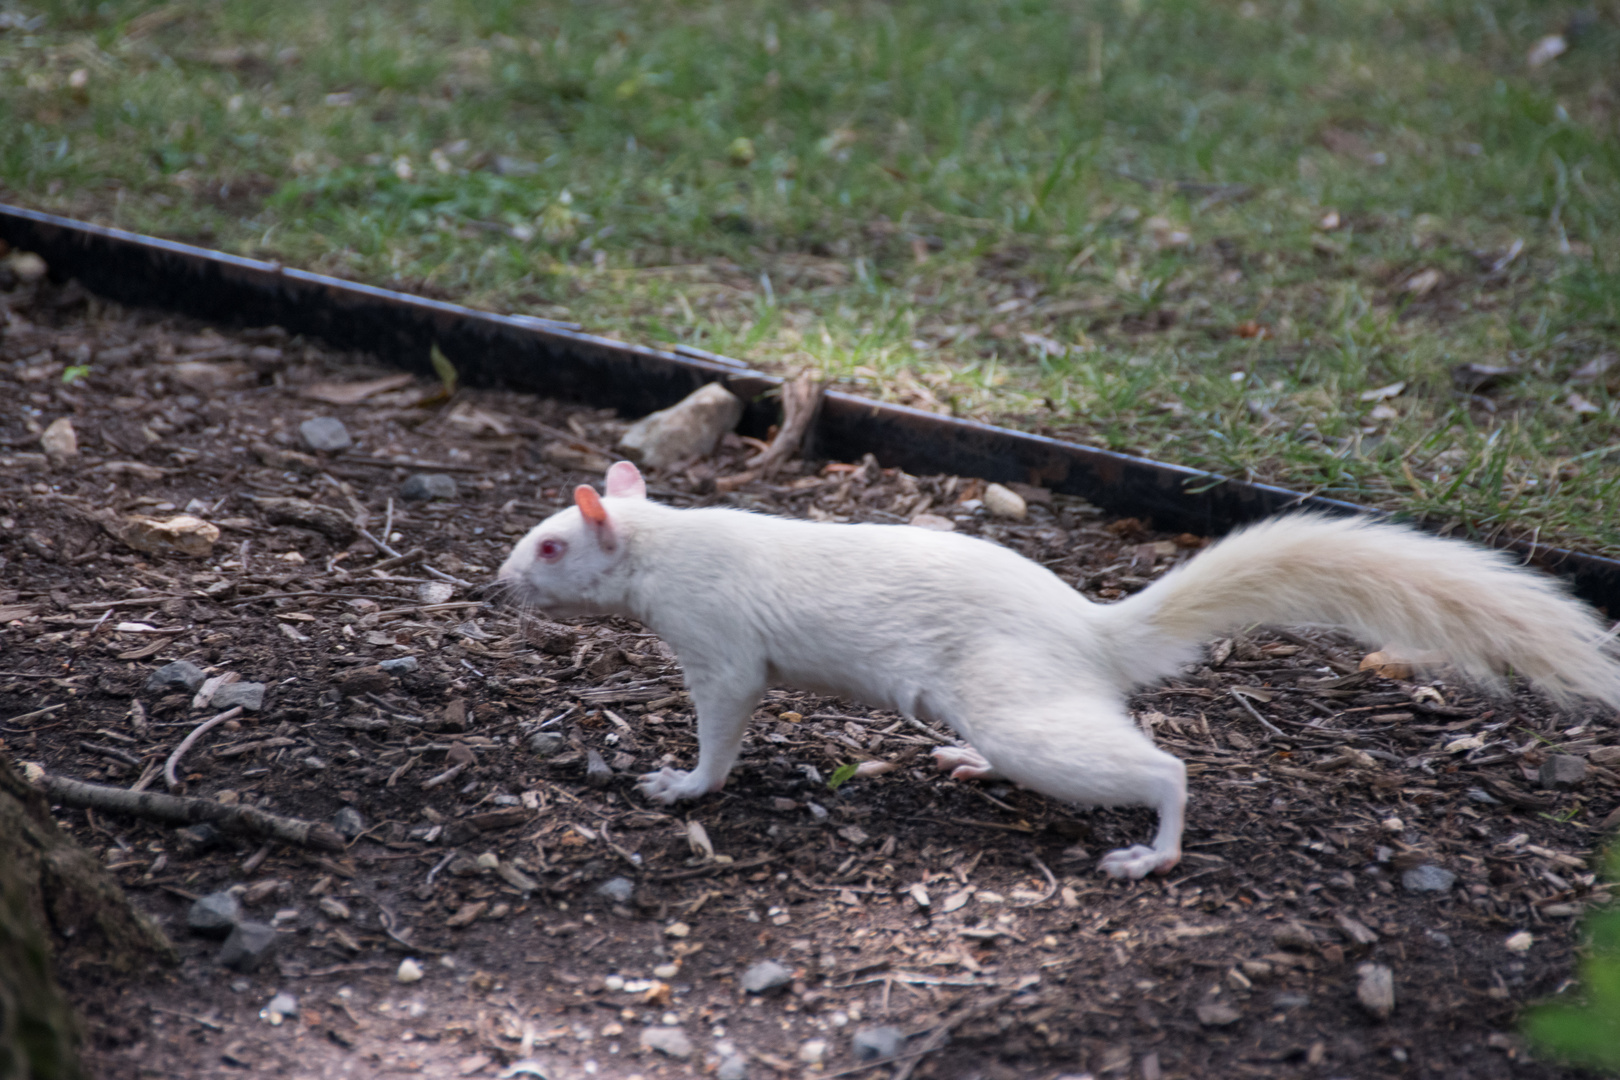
(466,914)
(1479,378)
(1387,665)
(1250,328)
(1383,392)
(1580,406)
(59,440)
(1546,50)
(352,393)
(574,456)
(181,535)
(1423,282)
(480,421)
(697,837)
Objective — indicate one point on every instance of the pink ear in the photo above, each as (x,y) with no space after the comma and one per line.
(595,515)
(590,505)
(624,481)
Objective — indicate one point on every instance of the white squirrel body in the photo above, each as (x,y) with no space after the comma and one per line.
(1027,670)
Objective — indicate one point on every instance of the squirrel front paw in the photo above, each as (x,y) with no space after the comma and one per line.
(671,786)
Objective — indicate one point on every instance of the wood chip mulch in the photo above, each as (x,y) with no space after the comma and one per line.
(495,782)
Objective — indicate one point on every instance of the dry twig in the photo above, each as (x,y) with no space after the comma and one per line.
(182,810)
(169,775)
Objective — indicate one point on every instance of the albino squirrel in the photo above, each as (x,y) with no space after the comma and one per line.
(1029,672)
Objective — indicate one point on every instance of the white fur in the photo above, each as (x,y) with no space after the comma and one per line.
(1027,670)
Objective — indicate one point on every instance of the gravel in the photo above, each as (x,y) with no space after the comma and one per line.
(669,1041)
(214,915)
(873,1043)
(250,944)
(428,486)
(1428,878)
(325,433)
(180,675)
(765,976)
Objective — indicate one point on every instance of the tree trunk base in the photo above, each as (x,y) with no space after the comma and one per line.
(54,896)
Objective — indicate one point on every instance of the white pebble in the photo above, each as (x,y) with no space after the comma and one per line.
(1005,503)
(409,971)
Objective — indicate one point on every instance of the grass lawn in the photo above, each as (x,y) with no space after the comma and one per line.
(1263,238)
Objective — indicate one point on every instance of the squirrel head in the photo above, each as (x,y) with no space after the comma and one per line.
(564,565)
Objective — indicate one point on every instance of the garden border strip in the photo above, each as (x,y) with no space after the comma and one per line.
(557,360)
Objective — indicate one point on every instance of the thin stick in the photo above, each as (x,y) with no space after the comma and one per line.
(46,711)
(1051,883)
(1267,724)
(415,555)
(390,552)
(445,777)
(189,741)
(183,810)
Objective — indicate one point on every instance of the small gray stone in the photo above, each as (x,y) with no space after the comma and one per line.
(1217,1014)
(1428,878)
(1293,935)
(249,945)
(214,915)
(765,976)
(734,1067)
(283,1004)
(348,822)
(597,771)
(1560,772)
(669,1041)
(428,486)
(617,889)
(1376,990)
(249,695)
(325,433)
(547,743)
(399,665)
(873,1043)
(180,675)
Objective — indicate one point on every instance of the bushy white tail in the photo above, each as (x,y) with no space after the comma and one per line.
(1387,584)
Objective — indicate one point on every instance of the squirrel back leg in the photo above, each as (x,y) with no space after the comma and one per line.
(1086,751)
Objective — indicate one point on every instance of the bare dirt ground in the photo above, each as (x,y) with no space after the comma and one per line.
(495,783)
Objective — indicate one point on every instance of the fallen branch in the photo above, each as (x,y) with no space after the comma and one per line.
(189,741)
(184,810)
(801,399)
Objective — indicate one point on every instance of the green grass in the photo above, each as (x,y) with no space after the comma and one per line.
(969,206)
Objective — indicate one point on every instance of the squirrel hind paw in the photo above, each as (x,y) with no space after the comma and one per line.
(670,786)
(964,763)
(1137,862)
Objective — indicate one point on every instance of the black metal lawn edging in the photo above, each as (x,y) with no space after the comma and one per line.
(558,360)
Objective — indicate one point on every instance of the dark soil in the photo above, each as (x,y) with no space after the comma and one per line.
(967,915)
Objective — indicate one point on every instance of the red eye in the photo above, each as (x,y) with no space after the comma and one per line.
(552,550)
